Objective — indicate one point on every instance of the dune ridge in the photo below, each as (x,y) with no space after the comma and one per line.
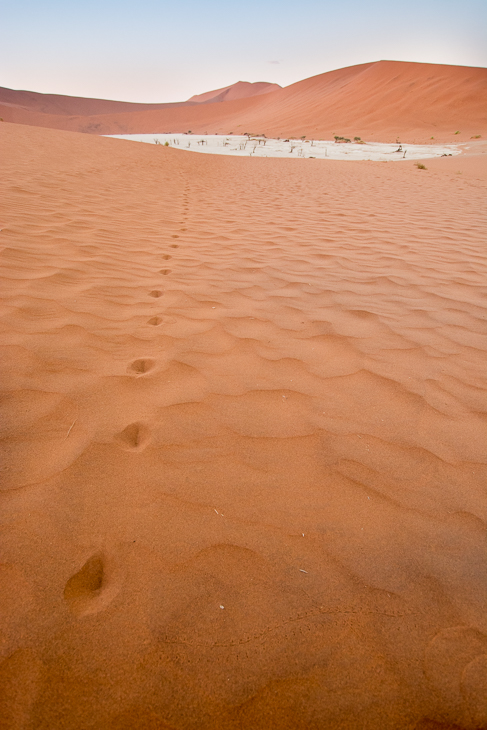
(243,440)
(378,101)
(69,106)
(240,90)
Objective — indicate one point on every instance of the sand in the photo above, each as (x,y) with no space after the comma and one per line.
(378,102)
(243,440)
(37,106)
(240,90)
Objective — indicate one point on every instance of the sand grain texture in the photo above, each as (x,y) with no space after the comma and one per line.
(243,440)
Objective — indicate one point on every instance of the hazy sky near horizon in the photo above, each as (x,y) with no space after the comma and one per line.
(153,51)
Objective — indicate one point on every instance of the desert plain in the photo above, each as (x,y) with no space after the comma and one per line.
(243,425)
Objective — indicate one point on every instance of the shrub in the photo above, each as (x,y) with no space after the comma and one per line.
(458,132)
(420,166)
(476,136)
(166,144)
(356,139)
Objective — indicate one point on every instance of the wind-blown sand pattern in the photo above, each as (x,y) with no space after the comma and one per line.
(243,421)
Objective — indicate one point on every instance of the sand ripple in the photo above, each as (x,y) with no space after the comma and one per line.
(243,434)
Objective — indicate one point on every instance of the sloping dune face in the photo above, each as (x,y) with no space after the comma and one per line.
(29,102)
(376,101)
(243,438)
(58,105)
(383,99)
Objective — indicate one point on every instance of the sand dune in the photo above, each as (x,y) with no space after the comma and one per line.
(243,440)
(383,99)
(61,112)
(70,106)
(376,101)
(240,90)
(57,105)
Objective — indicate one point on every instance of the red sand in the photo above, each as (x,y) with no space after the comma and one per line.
(243,421)
(240,90)
(376,101)
(14,102)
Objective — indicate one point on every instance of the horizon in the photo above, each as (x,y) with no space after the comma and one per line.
(156,53)
(239,81)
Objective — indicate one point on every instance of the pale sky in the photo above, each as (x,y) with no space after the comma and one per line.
(156,51)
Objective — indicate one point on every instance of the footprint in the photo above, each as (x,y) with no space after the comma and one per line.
(87,581)
(90,589)
(142,366)
(134,437)
(155,321)
(174,245)
(175,236)
(156,293)
(165,272)
(166,257)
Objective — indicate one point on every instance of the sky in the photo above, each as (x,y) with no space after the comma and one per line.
(156,51)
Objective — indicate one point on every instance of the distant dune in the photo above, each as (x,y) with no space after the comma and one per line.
(377,101)
(72,106)
(240,90)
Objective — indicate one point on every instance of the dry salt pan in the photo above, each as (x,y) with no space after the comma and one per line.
(248,146)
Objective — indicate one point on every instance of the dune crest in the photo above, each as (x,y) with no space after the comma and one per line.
(240,90)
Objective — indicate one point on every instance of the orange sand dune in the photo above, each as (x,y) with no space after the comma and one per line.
(56,105)
(51,110)
(31,103)
(243,440)
(240,90)
(377,101)
(381,100)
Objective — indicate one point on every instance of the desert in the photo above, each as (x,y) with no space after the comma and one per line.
(243,426)
(376,101)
